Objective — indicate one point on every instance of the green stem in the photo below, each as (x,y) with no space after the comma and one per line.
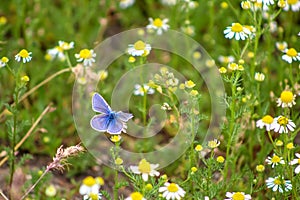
(232,121)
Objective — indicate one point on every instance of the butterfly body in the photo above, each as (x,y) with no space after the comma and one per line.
(108,121)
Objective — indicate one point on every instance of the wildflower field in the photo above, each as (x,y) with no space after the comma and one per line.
(149,99)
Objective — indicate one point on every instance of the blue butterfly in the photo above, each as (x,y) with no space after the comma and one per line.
(108,121)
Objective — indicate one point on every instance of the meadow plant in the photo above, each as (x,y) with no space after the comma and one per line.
(155,114)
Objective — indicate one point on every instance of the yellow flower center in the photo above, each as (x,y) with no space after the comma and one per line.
(4,59)
(238,196)
(136,196)
(287,96)
(275,159)
(24,53)
(267,119)
(158,22)
(144,166)
(89,181)
(99,180)
(291,52)
(283,121)
(237,27)
(58,48)
(139,45)
(198,147)
(172,187)
(260,168)
(299,161)
(292,2)
(85,54)
(93,196)
(277,182)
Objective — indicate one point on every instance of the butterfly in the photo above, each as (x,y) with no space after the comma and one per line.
(108,121)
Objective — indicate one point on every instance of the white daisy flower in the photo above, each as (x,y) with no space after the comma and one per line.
(56,52)
(275,160)
(3,61)
(158,25)
(139,48)
(287,99)
(236,31)
(237,195)
(169,2)
(66,45)
(281,46)
(146,169)
(135,196)
(87,56)
(259,76)
(92,196)
(213,143)
(141,90)
(295,162)
(283,125)
(294,5)
(266,2)
(172,191)
(126,3)
(279,184)
(266,121)
(226,59)
(89,186)
(23,55)
(291,55)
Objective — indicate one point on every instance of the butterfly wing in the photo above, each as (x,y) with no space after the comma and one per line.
(123,116)
(100,105)
(100,122)
(115,126)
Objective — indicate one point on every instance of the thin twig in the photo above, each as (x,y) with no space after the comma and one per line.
(33,186)
(3,195)
(37,87)
(46,110)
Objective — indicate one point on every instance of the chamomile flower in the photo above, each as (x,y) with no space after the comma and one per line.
(158,25)
(50,191)
(236,31)
(89,186)
(139,48)
(23,55)
(275,160)
(169,2)
(172,191)
(3,61)
(126,3)
(87,56)
(281,46)
(213,143)
(283,125)
(237,196)
(226,59)
(141,90)
(296,161)
(266,121)
(291,55)
(279,184)
(259,77)
(135,196)
(287,99)
(267,2)
(293,5)
(146,169)
(56,52)
(246,5)
(92,196)
(65,45)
